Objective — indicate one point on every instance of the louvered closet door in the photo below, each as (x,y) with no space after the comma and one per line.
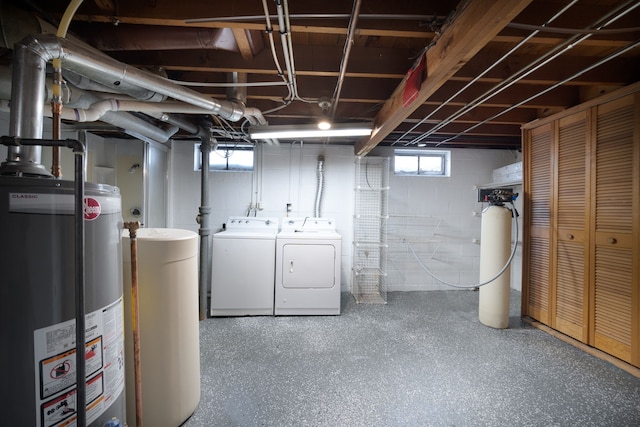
(571,257)
(539,220)
(613,254)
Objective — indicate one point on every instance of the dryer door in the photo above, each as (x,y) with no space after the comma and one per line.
(308,266)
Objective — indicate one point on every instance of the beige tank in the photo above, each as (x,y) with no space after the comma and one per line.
(495,244)
(169,325)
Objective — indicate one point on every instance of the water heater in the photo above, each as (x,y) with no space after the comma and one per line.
(37,305)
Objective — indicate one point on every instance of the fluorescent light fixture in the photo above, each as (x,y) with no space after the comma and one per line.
(309,131)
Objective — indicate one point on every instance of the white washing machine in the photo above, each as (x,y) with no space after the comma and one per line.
(243,264)
(308,253)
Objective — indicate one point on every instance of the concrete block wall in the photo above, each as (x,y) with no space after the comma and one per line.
(440,218)
(284,174)
(436,214)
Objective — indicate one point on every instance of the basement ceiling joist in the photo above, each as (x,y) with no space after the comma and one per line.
(462,39)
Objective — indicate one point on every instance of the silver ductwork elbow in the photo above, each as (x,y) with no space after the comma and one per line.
(28,87)
(122,78)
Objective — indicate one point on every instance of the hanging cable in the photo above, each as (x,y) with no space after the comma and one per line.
(476,285)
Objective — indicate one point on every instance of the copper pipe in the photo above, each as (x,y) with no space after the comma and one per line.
(135,318)
(56,110)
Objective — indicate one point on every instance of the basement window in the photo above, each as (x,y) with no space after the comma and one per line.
(226,157)
(422,163)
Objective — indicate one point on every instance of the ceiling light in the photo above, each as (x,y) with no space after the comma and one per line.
(325,122)
(309,131)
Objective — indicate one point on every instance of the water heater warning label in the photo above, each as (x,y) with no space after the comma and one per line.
(55,357)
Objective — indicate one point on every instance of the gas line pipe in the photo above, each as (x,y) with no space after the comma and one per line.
(135,318)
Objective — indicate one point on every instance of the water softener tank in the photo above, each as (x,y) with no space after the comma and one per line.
(37,303)
(169,325)
(495,242)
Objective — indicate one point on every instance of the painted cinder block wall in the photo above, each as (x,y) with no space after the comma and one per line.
(419,206)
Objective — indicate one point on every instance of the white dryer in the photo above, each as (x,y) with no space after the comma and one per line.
(243,264)
(308,253)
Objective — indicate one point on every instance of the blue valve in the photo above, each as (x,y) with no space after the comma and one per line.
(114,422)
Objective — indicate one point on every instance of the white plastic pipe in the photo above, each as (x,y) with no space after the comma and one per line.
(495,248)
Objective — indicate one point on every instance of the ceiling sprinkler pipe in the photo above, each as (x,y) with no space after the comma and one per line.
(320,187)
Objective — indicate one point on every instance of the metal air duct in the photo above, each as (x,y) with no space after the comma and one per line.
(30,58)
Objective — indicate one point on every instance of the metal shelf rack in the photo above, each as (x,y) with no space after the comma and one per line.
(370,230)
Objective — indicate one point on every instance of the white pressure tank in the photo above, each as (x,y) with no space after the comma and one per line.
(169,325)
(495,243)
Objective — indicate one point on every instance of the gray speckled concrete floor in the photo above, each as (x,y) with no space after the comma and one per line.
(421,360)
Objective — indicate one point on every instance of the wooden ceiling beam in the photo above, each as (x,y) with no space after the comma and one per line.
(260,26)
(336,30)
(308,59)
(476,25)
(244,42)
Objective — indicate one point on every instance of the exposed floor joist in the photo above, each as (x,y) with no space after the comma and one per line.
(477,24)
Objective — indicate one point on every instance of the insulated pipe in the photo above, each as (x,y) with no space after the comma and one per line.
(120,77)
(135,318)
(320,187)
(97,109)
(178,121)
(85,83)
(131,124)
